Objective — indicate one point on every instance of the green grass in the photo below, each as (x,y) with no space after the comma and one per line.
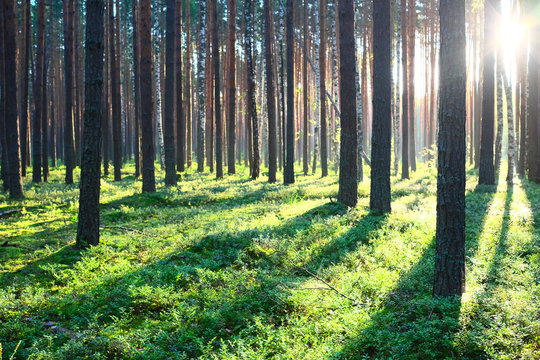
(218,269)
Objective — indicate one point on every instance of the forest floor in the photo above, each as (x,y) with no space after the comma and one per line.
(241,269)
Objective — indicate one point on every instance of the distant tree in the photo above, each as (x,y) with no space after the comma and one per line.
(69,152)
(251,105)
(231,90)
(180,118)
(533,130)
(411,93)
(10,98)
(136,87)
(270,93)
(380,197)
(322,85)
(217,90)
(38,94)
(450,236)
(26,34)
(486,174)
(147,101)
(170,79)
(187,101)
(405,109)
(348,186)
(201,84)
(288,175)
(305,91)
(115,94)
(88,220)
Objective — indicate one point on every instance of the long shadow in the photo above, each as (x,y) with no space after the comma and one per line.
(200,296)
(409,323)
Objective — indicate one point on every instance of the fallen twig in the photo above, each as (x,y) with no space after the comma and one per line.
(9,212)
(123,228)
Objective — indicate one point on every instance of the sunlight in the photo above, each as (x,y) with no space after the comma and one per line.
(511,36)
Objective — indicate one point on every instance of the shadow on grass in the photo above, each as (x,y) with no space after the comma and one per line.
(410,324)
(187,302)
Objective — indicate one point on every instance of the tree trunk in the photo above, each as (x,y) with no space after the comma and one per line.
(170,78)
(25,50)
(322,85)
(88,225)
(10,98)
(348,186)
(217,90)
(115,98)
(231,91)
(450,235)
(511,134)
(201,83)
(147,101)
(487,170)
(68,102)
(180,119)
(38,95)
(412,119)
(251,105)
(188,85)
(270,93)
(380,197)
(500,116)
(405,108)
(137,83)
(288,176)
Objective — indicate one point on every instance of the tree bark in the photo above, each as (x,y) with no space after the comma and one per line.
(88,225)
(348,186)
(170,78)
(217,90)
(380,197)
(68,102)
(147,101)
(405,108)
(10,98)
(180,119)
(450,235)
(487,170)
(288,176)
(231,91)
(201,83)
(38,95)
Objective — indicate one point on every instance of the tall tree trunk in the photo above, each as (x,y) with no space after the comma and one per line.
(25,50)
(288,176)
(511,134)
(251,105)
(115,92)
(450,236)
(201,83)
(147,101)
(231,91)
(10,98)
(189,116)
(270,93)
(348,186)
(533,129)
(411,93)
(88,225)
(380,197)
(217,90)
(487,170)
(3,139)
(305,93)
(44,107)
(405,108)
(68,102)
(136,81)
(170,78)
(38,94)
(180,119)
(322,85)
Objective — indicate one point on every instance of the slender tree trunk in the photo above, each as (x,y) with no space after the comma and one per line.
(10,98)
(170,78)
(533,104)
(180,119)
(147,101)
(115,92)
(38,95)
(217,90)
(136,81)
(322,85)
(511,134)
(231,91)
(305,93)
(500,117)
(270,93)
(348,186)
(450,236)
(188,103)
(88,225)
(201,83)
(405,109)
(487,170)
(380,198)
(288,176)
(411,93)
(25,50)
(68,102)
(251,105)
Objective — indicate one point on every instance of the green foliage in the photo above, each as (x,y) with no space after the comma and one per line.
(220,269)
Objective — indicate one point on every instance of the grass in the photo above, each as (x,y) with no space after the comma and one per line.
(221,269)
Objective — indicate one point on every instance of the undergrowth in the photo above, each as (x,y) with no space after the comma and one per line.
(241,269)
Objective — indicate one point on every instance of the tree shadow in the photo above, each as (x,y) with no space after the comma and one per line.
(409,323)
